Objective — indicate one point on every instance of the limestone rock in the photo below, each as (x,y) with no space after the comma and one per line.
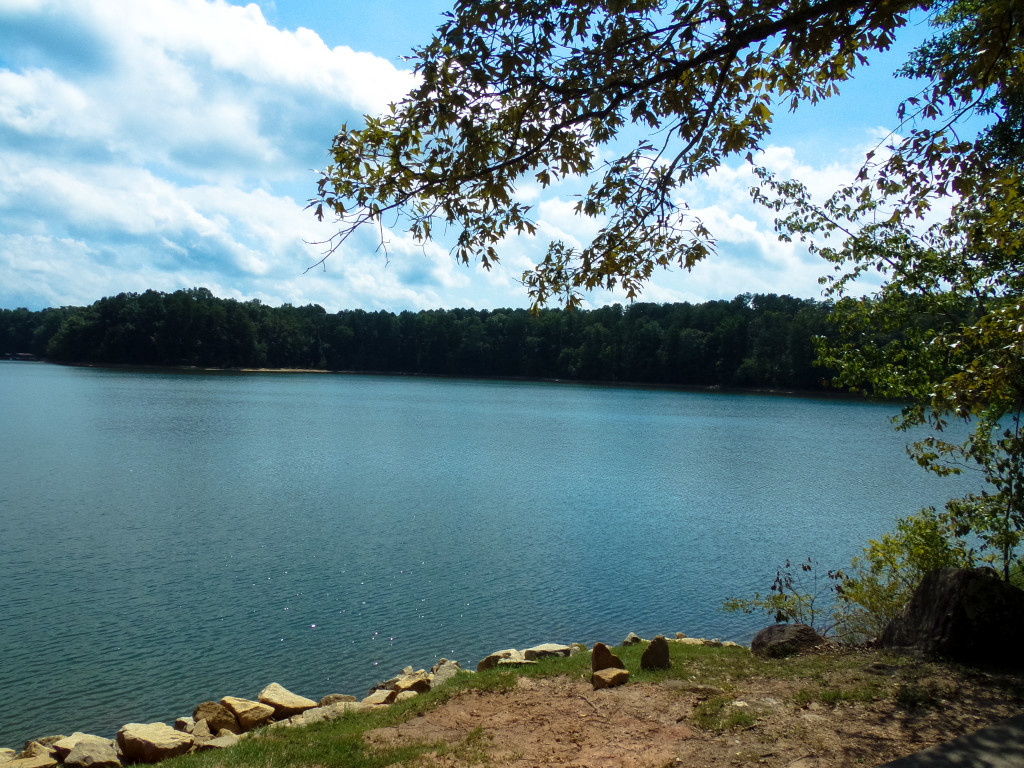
(965,615)
(443,671)
(680,636)
(690,640)
(546,650)
(510,656)
(40,761)
(66,744)
(93,753)
(379,697)
(217,716)
(6,755)
(602,658)
(334,698)
(185,724)
(250,714)
(656,655)
(152,742)
(36,748)
(632,639)
(284,702)
(609,678)
(219,742)
(418,682)
(784,640)
(327,712)
(406,695)
(201,731)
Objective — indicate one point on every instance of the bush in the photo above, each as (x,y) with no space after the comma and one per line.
(881,581)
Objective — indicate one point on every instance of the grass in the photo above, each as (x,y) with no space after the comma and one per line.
(831,679)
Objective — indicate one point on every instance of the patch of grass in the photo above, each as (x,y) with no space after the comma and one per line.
(830,678)
(720,714)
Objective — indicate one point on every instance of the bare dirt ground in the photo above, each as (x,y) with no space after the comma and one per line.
(562,721)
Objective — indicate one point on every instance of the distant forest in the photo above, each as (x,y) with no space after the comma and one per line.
(755,340)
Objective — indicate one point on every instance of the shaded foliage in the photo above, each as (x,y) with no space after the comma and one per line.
(751,341)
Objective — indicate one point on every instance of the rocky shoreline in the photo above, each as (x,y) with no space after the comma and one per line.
(221,724)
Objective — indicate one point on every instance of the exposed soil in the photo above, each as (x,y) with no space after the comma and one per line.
(772,722)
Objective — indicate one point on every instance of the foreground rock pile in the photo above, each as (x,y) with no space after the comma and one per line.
(220,724)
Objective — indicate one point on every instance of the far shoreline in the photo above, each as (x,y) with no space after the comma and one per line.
(832,394)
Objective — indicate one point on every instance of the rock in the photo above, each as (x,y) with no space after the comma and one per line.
(575,648)
(418,682)
(94,753)
(680,636)
(219,742)
(731,644)
(632,639)
(546,650)
(250,714)
(511,656)
(443,671)
(327,712)
(965,615)
(656,655)
(152,742)
(6,755)
(380,697)
(334,698)
(609,678)
(217,716)
(40,761)
(66,744)
(406,695)
(36,748)
(784,640)
(201,731)
(185,724)
(602,658)
(284,702)
(713,643)
(690,640)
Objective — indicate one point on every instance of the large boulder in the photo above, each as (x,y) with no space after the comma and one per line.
(94,754)
(970,616)
(152,742)
(284,702)
(443,671)
(784,640)
(250,714)
(602,658)
(84,749)
(656,655)
(217,717)
(546,650)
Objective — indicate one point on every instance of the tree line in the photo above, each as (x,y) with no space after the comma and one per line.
(754,340)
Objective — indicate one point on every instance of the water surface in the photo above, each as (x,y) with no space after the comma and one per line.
(168,538)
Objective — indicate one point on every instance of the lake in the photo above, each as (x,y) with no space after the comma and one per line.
(172,537)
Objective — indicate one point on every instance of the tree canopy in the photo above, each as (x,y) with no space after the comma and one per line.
(641,98)
(529,91)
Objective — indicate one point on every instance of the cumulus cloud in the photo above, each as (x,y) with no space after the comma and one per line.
(168,144)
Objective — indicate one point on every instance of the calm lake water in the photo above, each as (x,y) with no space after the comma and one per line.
(169,538)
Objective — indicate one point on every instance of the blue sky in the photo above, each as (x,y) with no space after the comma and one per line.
(169,144)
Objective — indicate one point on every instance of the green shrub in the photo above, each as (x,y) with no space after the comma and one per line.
(881,581)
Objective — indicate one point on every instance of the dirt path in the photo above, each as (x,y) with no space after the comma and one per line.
(564,722)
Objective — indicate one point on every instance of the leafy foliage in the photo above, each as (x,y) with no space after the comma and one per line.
(801,594)
(857,603)
(518,92)
(945,331)
(881,581)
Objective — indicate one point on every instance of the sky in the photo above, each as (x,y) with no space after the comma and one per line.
(169,144)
